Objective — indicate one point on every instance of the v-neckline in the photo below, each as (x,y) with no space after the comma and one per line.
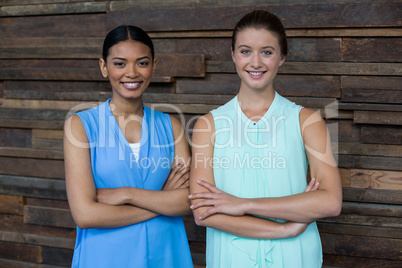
(248,120)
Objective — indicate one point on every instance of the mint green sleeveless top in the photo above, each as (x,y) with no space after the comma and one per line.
(261,159)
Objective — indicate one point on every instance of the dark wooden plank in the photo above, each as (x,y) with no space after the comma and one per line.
(20,264)
(321,68)
(30,153)
(188,65)
(372,231)
(56,217)
(11,204)
(47,144)
(40,240)
(377,221)
(311,49)
(15,224)
(33,186)
(382,118)
(32,167)
(372,209)
(372,96)
(347,131)
(47,134)
(44,202)
(369,107)
(372,196)
(20,252)
(369,149)
(361,49)
(32,114)
(57,256)
(356,262)
(15,137)
(376,179)
(320,15)
(369,162)
(54,26)
(371,82)
(381,134)
(32,123)
(53,9)
(358,246)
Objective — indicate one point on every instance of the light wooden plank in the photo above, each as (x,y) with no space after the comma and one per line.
(10,204)
(47,134)
(376,179)
(353,148)
(372,196)
(30,153)
(40,240)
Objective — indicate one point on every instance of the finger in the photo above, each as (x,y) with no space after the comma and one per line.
(310,185)
(208,186)
(185,185)
(204,195)
(316,186)
(203,203)
(208,213)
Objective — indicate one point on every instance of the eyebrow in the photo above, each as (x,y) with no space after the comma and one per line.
(250,47)
(141,58)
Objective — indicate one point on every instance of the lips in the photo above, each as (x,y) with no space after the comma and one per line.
(256,75)
(131,85)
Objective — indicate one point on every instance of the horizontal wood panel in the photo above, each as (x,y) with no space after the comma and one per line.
(33,186)
(371,82)
(40,240)
(348,229)
(361,49)
(381,134)
(45,26)
(52,9)
(378,221)
(372,96)
(56,217)
(32,167)
(15,137)
(368,149)
(30,153)
(372,196)
(10,204)
(20,252)
(358,246)
(376,179)
(383,118)
(369,162)
(321,15)
(372,209)
(359,262)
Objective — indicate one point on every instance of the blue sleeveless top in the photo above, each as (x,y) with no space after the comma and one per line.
(158,242)
(261,159)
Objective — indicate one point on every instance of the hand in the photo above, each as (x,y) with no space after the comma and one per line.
(312,186)
(111,196)
(178,178)
(294,229)
(220,201)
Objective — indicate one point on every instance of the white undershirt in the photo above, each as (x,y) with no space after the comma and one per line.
(135,147)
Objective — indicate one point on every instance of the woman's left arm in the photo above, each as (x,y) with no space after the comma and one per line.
(303,207)
(172,200)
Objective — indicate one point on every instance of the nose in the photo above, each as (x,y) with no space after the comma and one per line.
(256,61)
(131,71)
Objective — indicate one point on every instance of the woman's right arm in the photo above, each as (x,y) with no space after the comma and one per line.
(201,169)
(80,186)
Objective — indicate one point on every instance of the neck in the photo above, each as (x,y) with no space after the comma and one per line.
(256,101)
(126,107)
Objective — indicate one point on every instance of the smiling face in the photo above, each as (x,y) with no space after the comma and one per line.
(257,56)
(129,67)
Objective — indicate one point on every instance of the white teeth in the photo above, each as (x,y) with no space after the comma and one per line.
(256,73)
(132,84)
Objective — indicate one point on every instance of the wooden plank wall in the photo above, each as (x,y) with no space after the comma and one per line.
(345,60)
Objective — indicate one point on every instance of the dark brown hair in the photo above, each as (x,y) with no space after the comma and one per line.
(262,19)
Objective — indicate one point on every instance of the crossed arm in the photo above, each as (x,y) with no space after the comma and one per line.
(119,207)
(219,210)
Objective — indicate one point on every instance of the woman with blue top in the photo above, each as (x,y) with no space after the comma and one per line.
(127,168)
(249,165)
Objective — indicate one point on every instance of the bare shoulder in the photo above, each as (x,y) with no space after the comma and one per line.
(311,121)
(74,130)
(205,123)
(176,126)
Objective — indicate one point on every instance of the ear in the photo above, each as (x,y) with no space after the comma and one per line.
(233,58)
(282,61)
(154,66)
(102,66)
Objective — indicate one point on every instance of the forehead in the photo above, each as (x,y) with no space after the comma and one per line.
(130,48)
(256,37)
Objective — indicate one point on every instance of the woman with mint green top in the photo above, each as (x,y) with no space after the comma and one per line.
(249,165)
